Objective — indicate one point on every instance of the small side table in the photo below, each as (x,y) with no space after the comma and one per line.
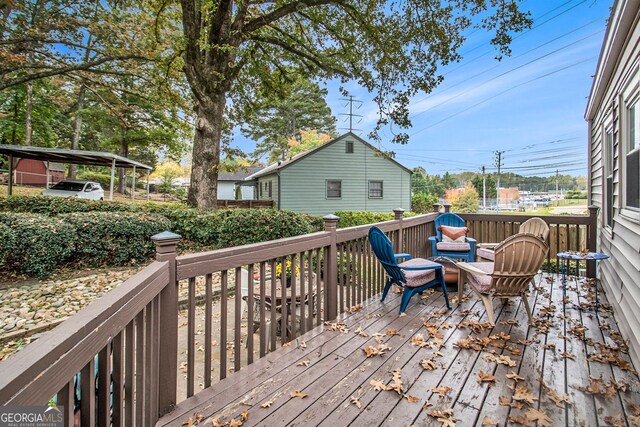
(579,256)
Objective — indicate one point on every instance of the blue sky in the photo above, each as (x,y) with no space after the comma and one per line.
(530,105)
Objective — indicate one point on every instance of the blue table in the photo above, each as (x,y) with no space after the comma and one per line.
(579,256)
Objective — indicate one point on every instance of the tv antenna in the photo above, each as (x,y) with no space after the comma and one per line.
(350,101)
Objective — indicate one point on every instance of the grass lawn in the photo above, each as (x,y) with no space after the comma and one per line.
(141,196)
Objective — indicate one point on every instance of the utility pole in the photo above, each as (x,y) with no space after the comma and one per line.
(484,191)
(499,165)
(351,101)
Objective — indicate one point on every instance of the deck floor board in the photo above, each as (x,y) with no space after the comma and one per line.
(339,369)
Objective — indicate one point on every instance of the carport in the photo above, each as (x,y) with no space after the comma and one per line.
(78,157)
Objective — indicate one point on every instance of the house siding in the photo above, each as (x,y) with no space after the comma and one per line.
(303,183)
(264,181)
(617,83)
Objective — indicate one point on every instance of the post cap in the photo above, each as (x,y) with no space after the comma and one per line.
(330,217)
(165,236)
(400,210)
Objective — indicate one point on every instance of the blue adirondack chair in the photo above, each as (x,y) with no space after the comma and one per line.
(413,275)
(467,248)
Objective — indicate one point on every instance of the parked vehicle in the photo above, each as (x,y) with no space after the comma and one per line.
(82,189)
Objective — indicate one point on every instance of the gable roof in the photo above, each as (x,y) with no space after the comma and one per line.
(274,167)
(238,175)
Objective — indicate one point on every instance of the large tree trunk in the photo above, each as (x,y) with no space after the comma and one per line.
(27,114)
(203,191)
(77,127)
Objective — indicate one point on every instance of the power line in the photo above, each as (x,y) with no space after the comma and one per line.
(502,93)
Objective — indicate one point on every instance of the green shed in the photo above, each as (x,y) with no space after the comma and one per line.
(346,173)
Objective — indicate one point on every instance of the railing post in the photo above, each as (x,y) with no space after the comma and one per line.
(166,244)
(592,239)
(399,213)
(447,207)
(436,207)
(331,282)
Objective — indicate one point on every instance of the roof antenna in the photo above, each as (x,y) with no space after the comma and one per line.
(350,102)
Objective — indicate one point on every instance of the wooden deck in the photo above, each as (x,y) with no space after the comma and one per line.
(547,373)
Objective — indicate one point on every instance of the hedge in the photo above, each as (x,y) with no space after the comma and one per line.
(353,218)
(7,243)
(245,226)
(40,243)
(115,238)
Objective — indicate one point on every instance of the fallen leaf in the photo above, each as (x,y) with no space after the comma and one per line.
(485,377)
(378,385)
(245,415)
(235,423)
(539,416)
(267,404)
(304,363)
(486,421)
(567,355)
(520,419)
(614,422)
(558,398)
(411,399)
(302,344)
(504,401)
(356,402)
(445,417)
(514,376)
(299,394)
(442,390)
(391,332)
(523,394)
(428,364)
(361,332)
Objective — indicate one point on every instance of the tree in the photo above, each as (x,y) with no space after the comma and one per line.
(282,115)
(490,185)
(308,141)
(421,183)
(167,172)
(466,201)
(237,49)
(423,203)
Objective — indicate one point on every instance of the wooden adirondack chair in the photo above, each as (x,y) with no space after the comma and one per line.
(458,250)
(536,226)
(414,275)
(517,260)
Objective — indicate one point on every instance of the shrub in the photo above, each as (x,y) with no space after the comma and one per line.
(41,242)
(422,203)
(353,218)
(7,242)
(103,179)
(199,227)
(58,205)
(115,238)
(245,226)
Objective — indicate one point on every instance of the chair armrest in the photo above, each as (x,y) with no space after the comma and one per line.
(488,245)
(407,256)
(468,267)
(422,267)
(471,240)
(433,239)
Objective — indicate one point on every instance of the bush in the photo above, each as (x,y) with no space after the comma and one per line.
(245,226)
(353,218)
(58,205)
(422,203)
(7,243)
(41,242)
(115,238)
(103,179)
(199,227)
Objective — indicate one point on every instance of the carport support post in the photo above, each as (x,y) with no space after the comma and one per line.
(133,184)
(46,185)
(147,185)
(113,175)
(10,183)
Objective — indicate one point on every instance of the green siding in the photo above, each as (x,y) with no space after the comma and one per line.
(303,183)
(263,182)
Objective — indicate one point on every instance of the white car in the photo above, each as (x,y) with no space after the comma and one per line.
(82,189)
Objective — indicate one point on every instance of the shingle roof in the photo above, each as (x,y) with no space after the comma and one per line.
(238,175)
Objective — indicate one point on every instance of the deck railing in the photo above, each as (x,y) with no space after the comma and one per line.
(140,349)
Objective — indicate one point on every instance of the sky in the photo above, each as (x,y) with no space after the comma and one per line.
(529,106)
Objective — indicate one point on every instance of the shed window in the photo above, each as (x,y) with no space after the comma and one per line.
(349,147)
(375,189)
(260,185)
(632,158)
(334,189)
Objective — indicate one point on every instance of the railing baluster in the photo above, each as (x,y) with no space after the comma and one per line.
(274,319)
(208,328)
(148,362)
(340,278)
(88,394)
(294,301)
(249,305)
(303,301)
(313,294)
(64,398)
(283,300)
(263,320)
(191,337)
(104,385)
(118,381)
(224,296)
(237,336)
(129,392)
(139,395)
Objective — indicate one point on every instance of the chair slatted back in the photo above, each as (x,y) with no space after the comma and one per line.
(518,259)
(536,226)
(383,248)
(448,219)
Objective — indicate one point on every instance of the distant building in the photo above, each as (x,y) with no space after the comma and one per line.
(508,195)
(346,173)
(34,172)
(228,181)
